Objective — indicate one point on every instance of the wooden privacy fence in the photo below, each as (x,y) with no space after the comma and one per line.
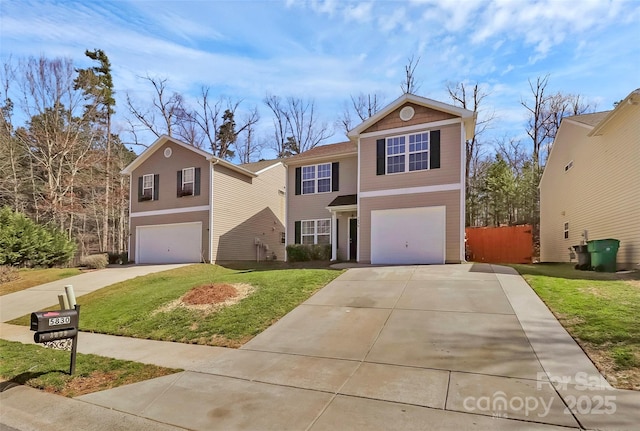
(509,244)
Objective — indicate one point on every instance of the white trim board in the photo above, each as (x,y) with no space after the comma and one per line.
(411,190)
(170,211)
(416,127)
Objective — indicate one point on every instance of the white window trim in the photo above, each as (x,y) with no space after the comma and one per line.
(315,234)
(144,177)
(407,153)
(192,182)
(316,179)
(565,230)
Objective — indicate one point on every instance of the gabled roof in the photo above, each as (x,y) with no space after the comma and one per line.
(164,139)
(324,152)
(633,99)
(588,119)
(468,117)
(157,144)
(257,167)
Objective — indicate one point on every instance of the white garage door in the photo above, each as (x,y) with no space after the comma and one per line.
(169,243)
(408,236)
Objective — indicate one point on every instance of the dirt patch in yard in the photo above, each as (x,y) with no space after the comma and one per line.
(210,297)
(619,378)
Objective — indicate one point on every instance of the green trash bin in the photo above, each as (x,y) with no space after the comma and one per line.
(603,254)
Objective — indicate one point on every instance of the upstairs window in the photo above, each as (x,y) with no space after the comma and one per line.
(318,178)
(188,182)
(408,153)
(566,230)
(568,166)
(148,187)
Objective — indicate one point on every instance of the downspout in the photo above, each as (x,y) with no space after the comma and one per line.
(211,165)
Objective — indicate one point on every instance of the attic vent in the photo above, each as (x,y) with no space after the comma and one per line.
(568,166)
(407,113)
(168,152)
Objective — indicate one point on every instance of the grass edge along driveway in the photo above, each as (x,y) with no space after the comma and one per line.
(599,310)
(137,307)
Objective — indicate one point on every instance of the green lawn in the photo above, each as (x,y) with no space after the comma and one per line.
(132,308)
(34,277)
(47,369)
(600,310)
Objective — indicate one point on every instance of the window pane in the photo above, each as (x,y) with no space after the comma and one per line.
(324,171)
(308,227)
(147,181)
(323,239)
(308,172)
(324,185)
(187,175)
(308,187)
(419,142)
(395,145)
(418,161)
(395,164)
(324,226)
(307,239)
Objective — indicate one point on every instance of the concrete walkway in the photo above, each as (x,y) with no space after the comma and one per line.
(419,347)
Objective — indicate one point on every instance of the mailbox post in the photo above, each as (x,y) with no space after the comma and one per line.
(57,325)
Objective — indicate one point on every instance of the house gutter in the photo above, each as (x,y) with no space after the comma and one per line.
(211,165)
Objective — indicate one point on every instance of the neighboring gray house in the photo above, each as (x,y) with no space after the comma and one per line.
(188,206)
(591,184)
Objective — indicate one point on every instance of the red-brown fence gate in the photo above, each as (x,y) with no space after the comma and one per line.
(509,244)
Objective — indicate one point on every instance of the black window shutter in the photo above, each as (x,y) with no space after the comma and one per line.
(196,180)
(335,176)
(139,189)
(298,229)
(298,182)
(434,153)
(156,187)
(380,157)
(179,184)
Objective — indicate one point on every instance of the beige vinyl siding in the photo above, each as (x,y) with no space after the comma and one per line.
(167,169)
(422,115)
(247,208)
(314,206)
(450,199)
(194,216)
(448,173)
(600,193)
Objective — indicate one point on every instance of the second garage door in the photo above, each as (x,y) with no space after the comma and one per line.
(408,236)
(169,243)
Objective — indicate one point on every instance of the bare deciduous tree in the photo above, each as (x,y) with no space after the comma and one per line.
(296,126)
(409,84)
(364,106)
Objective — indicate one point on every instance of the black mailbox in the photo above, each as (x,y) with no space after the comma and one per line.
(45,321)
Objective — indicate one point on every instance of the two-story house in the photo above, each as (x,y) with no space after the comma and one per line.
(590,188)
(393,194)
(188,206)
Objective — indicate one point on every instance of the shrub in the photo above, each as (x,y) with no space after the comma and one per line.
(306,252)
(8,273)
(26,243)
(95,261)
(116,258)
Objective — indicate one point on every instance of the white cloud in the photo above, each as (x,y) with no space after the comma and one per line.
(361,12)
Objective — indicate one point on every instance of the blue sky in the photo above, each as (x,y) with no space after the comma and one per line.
(329,50)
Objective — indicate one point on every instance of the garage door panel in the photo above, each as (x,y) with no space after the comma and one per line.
(408,236)
(169,243)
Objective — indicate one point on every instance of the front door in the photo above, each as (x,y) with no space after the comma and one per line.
(353,238)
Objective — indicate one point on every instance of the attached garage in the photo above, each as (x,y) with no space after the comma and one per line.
(408,235)
(169,243)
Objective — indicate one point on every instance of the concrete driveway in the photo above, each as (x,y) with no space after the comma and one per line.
(419,347)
